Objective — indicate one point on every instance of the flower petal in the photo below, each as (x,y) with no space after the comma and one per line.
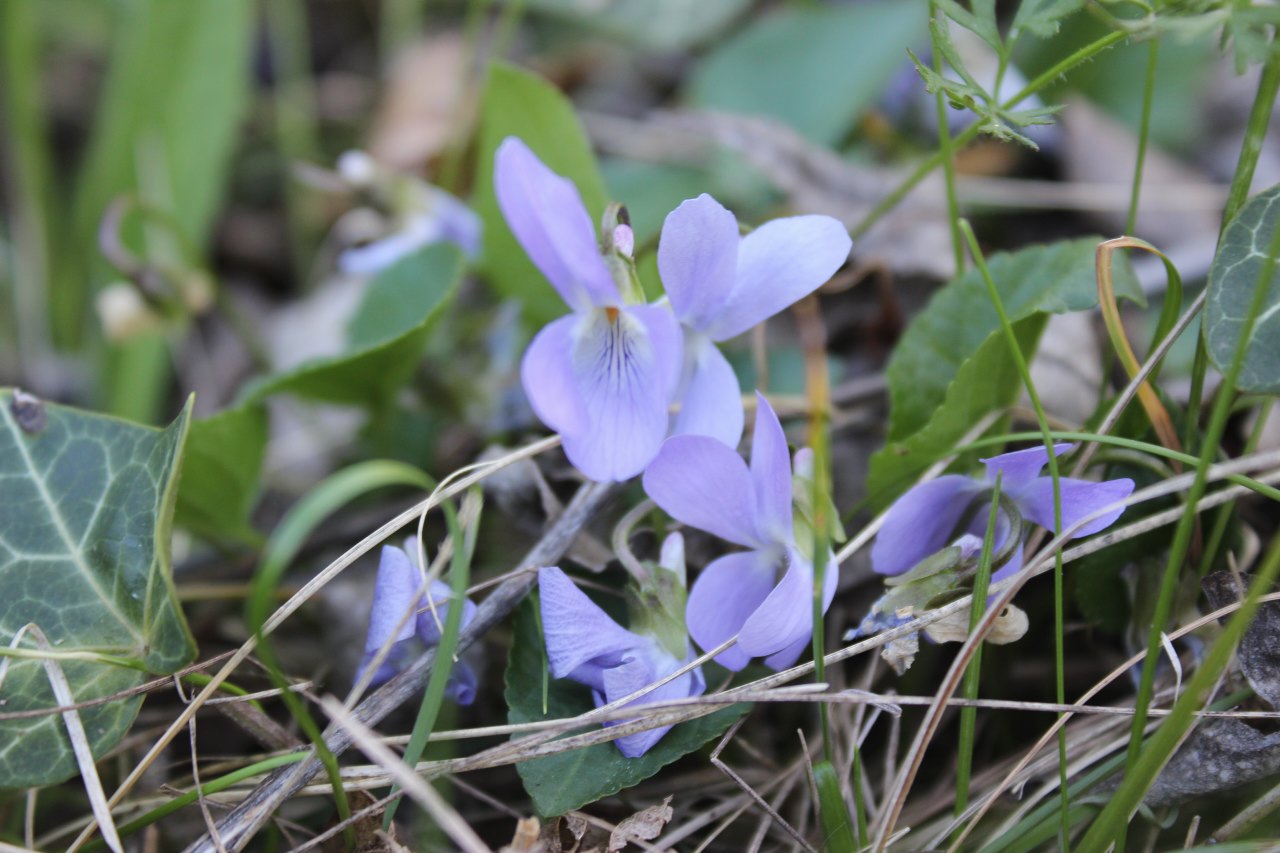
(549,379)
(1020,467)
(701,482)
(458,223)
(785,617)
(642,667)
(462,684)
(771,476)
(582,641)
(395,598)
(711,402)
(624,378)
(416,232)
(724,597)
(429,624)
(1080,499)
(698,259)
(779,263)
(547,216)
(921,522)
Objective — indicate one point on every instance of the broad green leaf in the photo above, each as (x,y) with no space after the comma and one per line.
(1233,277)
(659,25)
(952,365)
(385,338)
(222,466)
(570,780)
(517,103)
(817,68)
(85,515)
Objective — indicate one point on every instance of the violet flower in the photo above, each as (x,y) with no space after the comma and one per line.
(418,212)
(721,284)
(764,595)
(397,590)
(584,644)
(603,376)
(934,514)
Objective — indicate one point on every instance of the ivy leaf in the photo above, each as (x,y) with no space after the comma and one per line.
(952,365)
(385,338)
(570,780)
(85,514)
(517,103)
(1232,280)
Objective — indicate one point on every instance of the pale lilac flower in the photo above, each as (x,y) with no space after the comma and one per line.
(420,214)
(584,644)
(398,590)
(603,376)
(721,284)
(764,595)
(933,514)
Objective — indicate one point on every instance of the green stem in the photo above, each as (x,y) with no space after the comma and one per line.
(1059,651)
(1255,132)
(948,159)
(1144,132)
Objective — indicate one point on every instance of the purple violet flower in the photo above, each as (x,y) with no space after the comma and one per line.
(397,591)
(928,517)
(603,376)
(721,284)
(587,646)
(703,483)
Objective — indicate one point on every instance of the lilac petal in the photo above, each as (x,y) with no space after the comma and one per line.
(1080,499)
(430,625)
(711,402)
(788,656)
(582,641)
(413,234)
(779,263)
(1020,467)
(1009,569)
(921,522)
(785,617)
(698,259)
(547,216)
(549,380)
(458,224)
(398,657)
(462,684)
(641,668)
(667,339)
(624,375)
(724,597)
(395,598)
(771,475)
(701,482)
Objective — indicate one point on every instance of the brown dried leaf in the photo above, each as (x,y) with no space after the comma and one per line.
(423,105)
(528,838)
(644,825)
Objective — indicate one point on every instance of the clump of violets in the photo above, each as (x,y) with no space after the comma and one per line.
(764,595)
(404,618)
(933,515)
(418,214)
(604,375)
(584,644)
(720,284)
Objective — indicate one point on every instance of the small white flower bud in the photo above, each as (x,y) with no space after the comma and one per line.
(123,312)
(358,168)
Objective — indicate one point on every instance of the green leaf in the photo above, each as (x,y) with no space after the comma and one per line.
(517,103)
(570,780)
(385,338)
(952,365)
(222,465)
(816,68)
(837,827)
(657,25)
(1232,280)
(85,515)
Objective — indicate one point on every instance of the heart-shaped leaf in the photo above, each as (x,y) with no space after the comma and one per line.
(86,503)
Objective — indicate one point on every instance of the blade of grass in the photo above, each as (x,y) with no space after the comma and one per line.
(1144,132)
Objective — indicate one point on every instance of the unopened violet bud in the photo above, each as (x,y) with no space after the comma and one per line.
(624,241)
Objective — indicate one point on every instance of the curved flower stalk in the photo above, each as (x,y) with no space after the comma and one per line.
(397,590)
(721,284)
(604,375)
(763,596)
(420,214)
(585,645)
(934,514)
